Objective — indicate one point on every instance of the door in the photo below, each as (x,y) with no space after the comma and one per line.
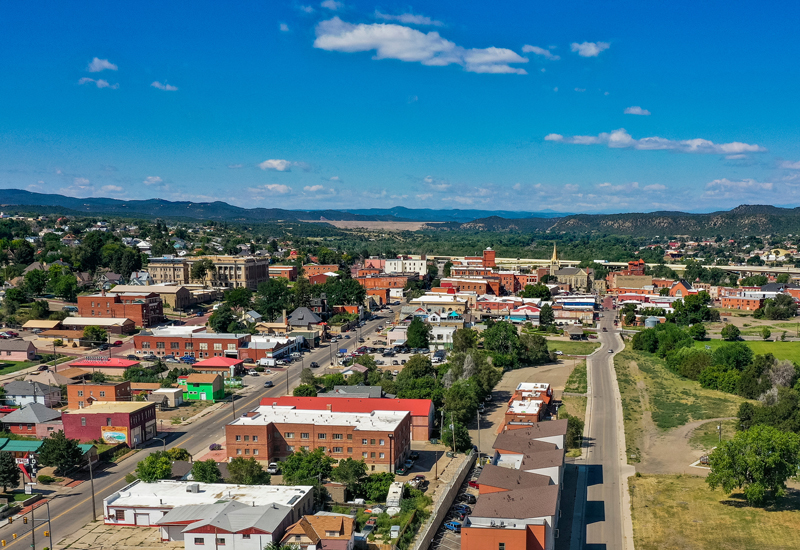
(203,396)
(143,520)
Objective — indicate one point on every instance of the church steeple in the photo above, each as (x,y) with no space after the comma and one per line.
(554,259)
(554,265)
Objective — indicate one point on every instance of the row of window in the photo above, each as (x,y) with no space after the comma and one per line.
(188,345)
(332,450)
(322,436)
(91,392)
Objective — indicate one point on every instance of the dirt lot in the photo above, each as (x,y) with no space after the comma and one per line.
(187,410)
(98,536)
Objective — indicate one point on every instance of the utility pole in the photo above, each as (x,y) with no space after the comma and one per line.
(33,528)
(719,429)
(233,403)
(91,480)
(479,436)
(49,526)
(453,431)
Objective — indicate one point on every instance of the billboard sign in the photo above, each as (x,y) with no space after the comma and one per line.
(113,435)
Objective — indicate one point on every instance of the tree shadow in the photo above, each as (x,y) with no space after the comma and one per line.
(790,502)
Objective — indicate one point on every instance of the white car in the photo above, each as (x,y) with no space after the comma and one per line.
(559,352)
(272,468)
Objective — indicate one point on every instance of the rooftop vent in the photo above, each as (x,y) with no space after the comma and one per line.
(193,488)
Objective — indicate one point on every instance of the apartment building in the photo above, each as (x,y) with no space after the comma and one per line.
(144,308)
(396,280)
(312,270)
(83,395)
(406,265)
(229,271)
(286,271)
(271,433)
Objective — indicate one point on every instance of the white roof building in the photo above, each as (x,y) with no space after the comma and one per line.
(371,421)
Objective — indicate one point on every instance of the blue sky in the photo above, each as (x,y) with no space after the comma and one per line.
(567,106)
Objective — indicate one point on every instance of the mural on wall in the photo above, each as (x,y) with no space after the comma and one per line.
(114,435)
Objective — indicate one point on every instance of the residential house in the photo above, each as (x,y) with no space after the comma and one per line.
(326,531)
(202,387)
(140,278)
(33,420)
(109,279)
(17,349)
(251,317)
(22,393)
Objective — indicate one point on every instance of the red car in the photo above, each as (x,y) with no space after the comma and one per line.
(117,343)
(12,333)
(474,484)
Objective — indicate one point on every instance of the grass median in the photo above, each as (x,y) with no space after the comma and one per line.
(681,512)
(572,347)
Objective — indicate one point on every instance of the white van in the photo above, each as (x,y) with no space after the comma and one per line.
(296,355)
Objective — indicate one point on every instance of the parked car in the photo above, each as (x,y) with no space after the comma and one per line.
(268,384)
(611,351)
(103,347)
(394,372)
(314,365)
(37,331)
(42,368)
(408,463)
(188,359)
(396,363)
(273,468)
(558,352)
(131,357)
(401,471)
(12,333)
(346,336)
(474,484)
(605,329)
(117,343)
(150,357)
(468,498)
(454,526)
(462,508)
(171,360)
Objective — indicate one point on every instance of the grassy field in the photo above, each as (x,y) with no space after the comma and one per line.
(576,383)
(574,406)
(570,347)
(645,384)
(680,512)
(781,350)
(706,436)
(7,367)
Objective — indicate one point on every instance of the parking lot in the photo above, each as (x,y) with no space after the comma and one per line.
(447,539)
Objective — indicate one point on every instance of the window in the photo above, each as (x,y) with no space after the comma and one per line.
(255,451)
(238,451)
(383,442)
(305,447)
(204,346)
(83,421)
(30,427)
(102,394)
(290,448)
(80,404)
(337,436)
(255,439)
(350,437)
(363,455)
(363,441)
(382,455)
(189,345)
(238,438)
(372,455)
(174,345)
(349,450)
(120,515)
(323,448)
(289,435)
(218,347)
(159,345)
(337,450)
(303,436)
(245,536)
(501,546)
(247,438)
(220,541)
(372,442)
(247,451)
(108,421)
(231,347)
(322,436)
(145,345)
(80,393)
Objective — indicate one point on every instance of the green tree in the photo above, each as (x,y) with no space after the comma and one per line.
(239,298)
(464,339)
(782,278)
(60,452)
(754,280)
(272,298)
(574,431)
(418,334)
(375,487)
(66,287)
(9,471)
(201,269)
(546,316)
(303,466)
(307,377)
(461,401)
(98,377)
(178,453)
(535,349)
(206,471)
(765,333)
(502,338)
(156,466)
(463,441)
(40,309)
(302,292)
(536,291)
(222,319)
(730,333)
(759,461)
(36,281)
(95,335)
(247,472)
(779,308)
(697,331)
(350,473)
(305,390)
(448,266)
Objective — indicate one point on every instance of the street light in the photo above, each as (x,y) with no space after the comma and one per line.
(163,441)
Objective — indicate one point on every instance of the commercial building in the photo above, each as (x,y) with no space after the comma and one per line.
(131,423)
(202,387)
(312,270)
(82,395)
(188,340)
(225,367)
(284,271)
(229,271)
(112,325)
(175,296)
(406,264)
(269,347)
(271,433)
(145,504)
(741,301)
(144,308)
(110,366)
(421,410)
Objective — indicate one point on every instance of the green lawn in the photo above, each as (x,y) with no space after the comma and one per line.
(671,400)
(576,383)
(681,512)
(7,367)
(781,350)
(570,347)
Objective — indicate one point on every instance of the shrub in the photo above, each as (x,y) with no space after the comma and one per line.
(215,447)
(45,479)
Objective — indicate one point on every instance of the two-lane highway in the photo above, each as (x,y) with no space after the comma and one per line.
(70,511)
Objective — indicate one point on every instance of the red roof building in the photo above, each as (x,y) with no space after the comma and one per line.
(220,365)
(421,410)
(112,366)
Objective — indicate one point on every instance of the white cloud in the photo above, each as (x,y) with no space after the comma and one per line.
(424,196)
(580,89)
(166,87)
(409,18)
(335,178)
(406,44)
(655,187)
(153,180)
(277,188)
(332,5)
(459,199)
(620,139)
(284,27)
(739,156)
(279,165)
(80,182)
(571,187)
(96,65)
(235,166)
(307,9)
(547,54)
(111,189)
(100,83)
(791,165)
(436,184)
(727,188)
(517,186)
(313,188)
(589,49)
(636,110)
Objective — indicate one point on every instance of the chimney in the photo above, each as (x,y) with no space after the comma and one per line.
(284,316)
(330,407)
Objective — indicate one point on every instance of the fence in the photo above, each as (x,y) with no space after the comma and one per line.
(442,506)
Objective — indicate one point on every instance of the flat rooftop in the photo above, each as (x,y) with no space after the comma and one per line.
(112,407)
(169,494)
(532,406)
(373,421)
(533,386)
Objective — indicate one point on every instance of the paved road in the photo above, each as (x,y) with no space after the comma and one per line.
(603,515)
(71,511)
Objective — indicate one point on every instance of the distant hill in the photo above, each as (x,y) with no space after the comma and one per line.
(742,220)
(454,215)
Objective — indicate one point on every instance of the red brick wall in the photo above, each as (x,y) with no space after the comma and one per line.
(77,393)
(489,258)
(145,314)
(312,270)
(382,294)
(741,302)
(185,346)
(382,282)
(74,428)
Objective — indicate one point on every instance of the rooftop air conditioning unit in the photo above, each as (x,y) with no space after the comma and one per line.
(193,488)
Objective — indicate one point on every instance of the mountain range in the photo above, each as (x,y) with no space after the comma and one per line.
(742,220)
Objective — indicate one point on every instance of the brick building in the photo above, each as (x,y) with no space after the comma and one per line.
(421,410)
(111,366)
(285,271)
(747,303)
(131,423)
(143,308)
(271,433)
(311,270)
(83,395)
(188,340)
(385,281)
(33,420)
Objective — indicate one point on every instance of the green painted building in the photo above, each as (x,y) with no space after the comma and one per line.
(202,387)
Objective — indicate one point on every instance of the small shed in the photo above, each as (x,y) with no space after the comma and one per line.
(651,322)
(174,396)
(575,332)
